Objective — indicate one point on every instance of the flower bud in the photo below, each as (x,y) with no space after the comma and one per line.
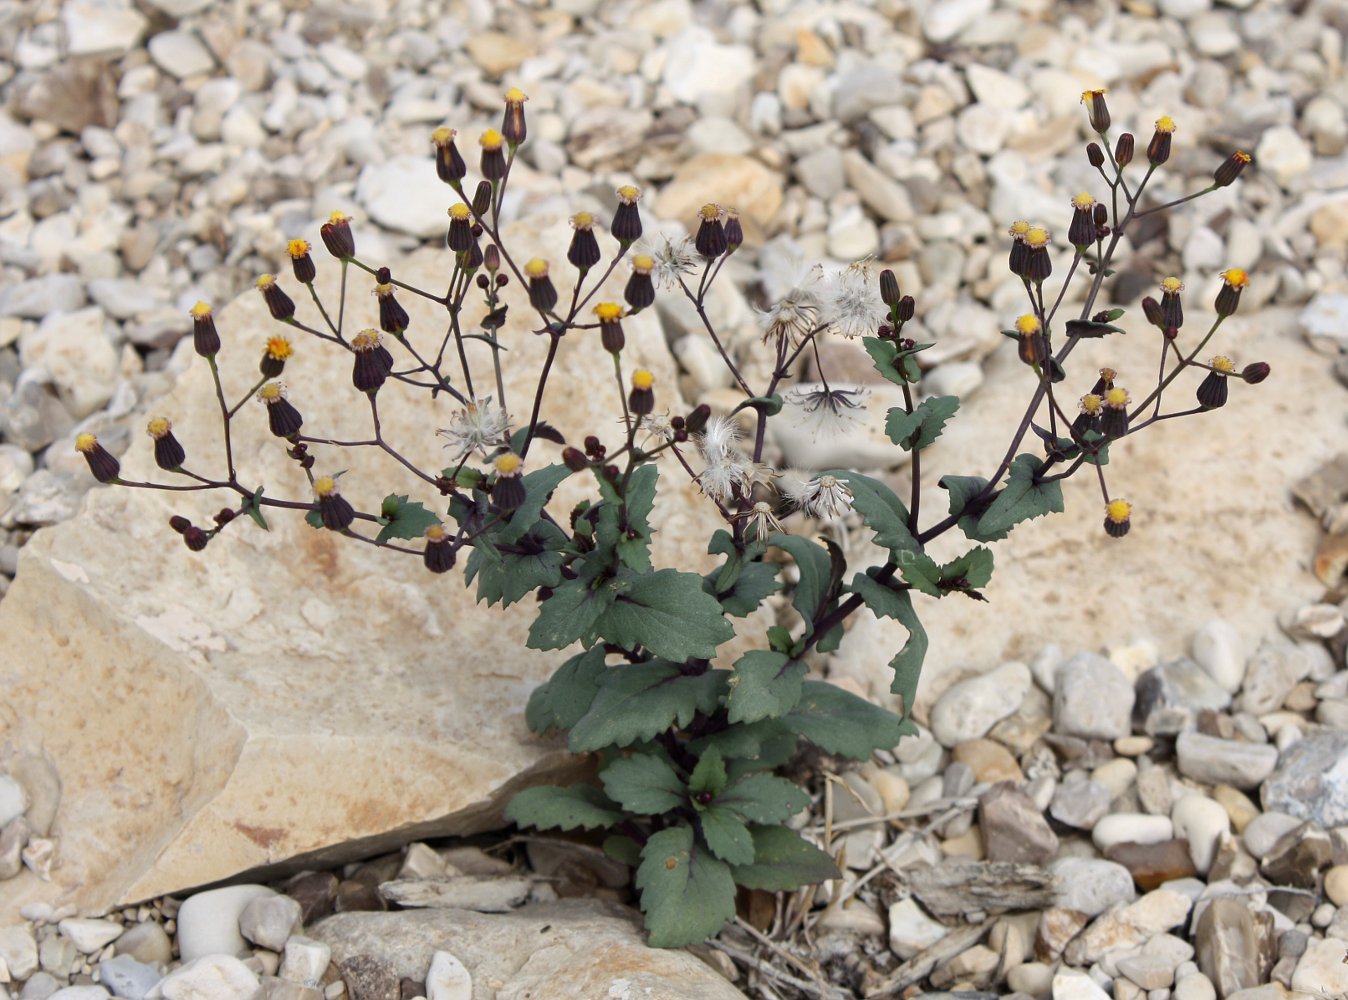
(102,463)
(710,240)
(372,362)
(1230,168)
(195,538)
(574,459)
(1228,296)
(393,317)
(626,227)
(1172,310)
(1158,150)
(1118,518)
(279,304)
(337,236)
(610,326)
(889,288)
(439,555)
(696,421)
(508,491)
(542,292)
(493,163)
(1123,149)
(1081,232)
(179,523)
(1033,345)
(460,236)
(1213,389)
(334,509)
(482,199)
(449,165)
(641,400)
(1038,266)
(1114,422)
(1255,372)
(734,232)
(282,417)
(640,289)
(1151,309)
(1097,111)
(907,307)
(583,253)
(205,339)
(1095,155)
(301,262)
(512,125)
(168,452)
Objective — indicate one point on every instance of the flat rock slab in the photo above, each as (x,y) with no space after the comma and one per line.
(292,696)
(1215,532)
(569,948)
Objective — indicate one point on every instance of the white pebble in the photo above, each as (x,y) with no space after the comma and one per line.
(1136,828)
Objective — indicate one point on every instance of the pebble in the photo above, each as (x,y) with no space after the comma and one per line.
(1092,698)
(943,21)
(1320,970)
(18,950)
(1170,696)
(1336,885)
(1311,780)
(1071,984)
(268,921)
(912,930)
(147,943)
(1324,321)
(40,297)
(1226,762)
(13,799)
(1283,154)
(1091,885)
(1203,823)
(447,979)
(208,923)
(128,978)
(210,977)
(1263,833)
(1080,803)
(180,53)
(1218,649)
(305,960)
(1131,828)
(989,760)
(1013,827)
(968,709)
(89,935)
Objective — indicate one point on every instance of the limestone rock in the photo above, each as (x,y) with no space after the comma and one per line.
(569,948)
(1311,780)
(276,681)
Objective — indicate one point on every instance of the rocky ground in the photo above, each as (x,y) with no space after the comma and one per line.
(159,153)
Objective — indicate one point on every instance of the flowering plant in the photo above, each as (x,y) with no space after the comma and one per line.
(688,750)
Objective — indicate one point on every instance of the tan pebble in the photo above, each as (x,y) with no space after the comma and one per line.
(1237,805)
(893,789)
(1118,775)
(989,760)
(967,845)
(1133,746)
(1336,885)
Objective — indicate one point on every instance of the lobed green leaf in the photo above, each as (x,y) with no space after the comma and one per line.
(549,807)
(644,784)
(687,894)
(783,861)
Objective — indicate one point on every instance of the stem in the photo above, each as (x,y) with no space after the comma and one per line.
(915,496)
(225,412)
(554,338)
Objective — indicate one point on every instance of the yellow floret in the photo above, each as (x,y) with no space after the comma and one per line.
(1118,511)
(158,427)
(325,486)
(86,443)
(1028,324)
(1236,277)
(508,464)
(491,140)
(643,379)
(608,312)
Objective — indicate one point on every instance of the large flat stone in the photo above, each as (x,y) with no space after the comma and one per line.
(569,948)
(291,696)
(1215,530)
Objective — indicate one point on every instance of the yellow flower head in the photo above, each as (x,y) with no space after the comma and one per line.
(709,212)
(642,379)
(1118,511)
(324,487)
(460,212)
(1166,124)
(1018,229)
(1028,324)
(1117,398)
(272,392)
(1083,201)
(1223,364)
(643,263)
(1236,277)
(508,464)
(1090,95)
(298,248)
(201,310)
(443,136)
(536,267)
(1037,236)
(515,96)
(265,281)
(1091,403)
(278,348)
(86,443)
(158,427)
(629,194)
(582,220)
(366,340)
(337,218)
(491,140)
(436,532)
(1172,285)
(608,312)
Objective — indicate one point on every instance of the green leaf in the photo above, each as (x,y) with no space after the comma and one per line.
(742,742)
(548,807)
(974,568)
(252,506)
(1021,499)
(895,364)
(765,685)
(571,613)
(667,612)
(841,723)
(314,519)
(914,431)
(562,700)
(783,861)
(644,784)
(755,584)
(641,700)
(538,488)
(508,576)
(763,798)
(686,893)
(881,511)
(403,519)
(771,405)
(636,552)
(816,573)
(886,602)
(709,774)
(921,573)
(1090,328)
(727,837)
(1114,314)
